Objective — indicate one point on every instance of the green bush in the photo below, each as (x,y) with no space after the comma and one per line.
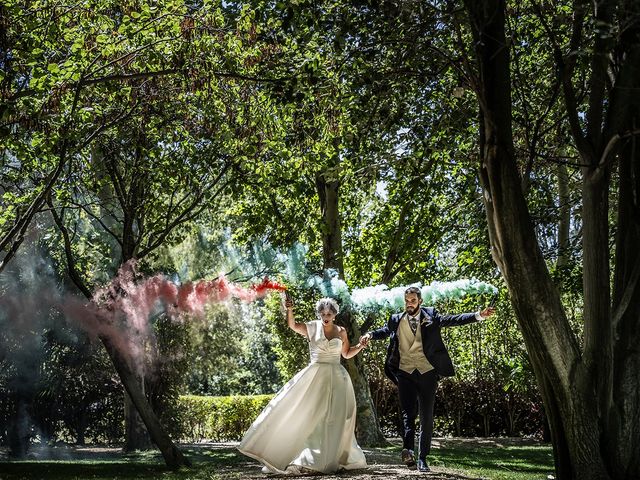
(219,419)
(63,389)
(467,408)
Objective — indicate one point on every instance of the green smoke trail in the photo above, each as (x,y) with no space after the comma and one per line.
(381,297)
(377,297)
(295,272)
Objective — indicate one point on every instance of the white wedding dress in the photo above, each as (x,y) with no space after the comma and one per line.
(310,422)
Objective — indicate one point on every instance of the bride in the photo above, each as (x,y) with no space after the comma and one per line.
(310,422)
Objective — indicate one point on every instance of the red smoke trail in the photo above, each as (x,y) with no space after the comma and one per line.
(190,297)
(120,311)
(137,299)
(266,285)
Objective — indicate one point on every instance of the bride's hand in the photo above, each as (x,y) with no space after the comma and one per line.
(288,301)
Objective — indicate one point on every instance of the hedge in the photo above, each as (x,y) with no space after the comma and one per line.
(469,408)
(219,419)
(463,408)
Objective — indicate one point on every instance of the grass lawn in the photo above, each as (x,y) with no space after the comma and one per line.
(499,459)
(495,459)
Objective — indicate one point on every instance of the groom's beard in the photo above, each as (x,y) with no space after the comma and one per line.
(413,311)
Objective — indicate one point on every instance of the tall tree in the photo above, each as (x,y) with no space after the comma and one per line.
(73,73)
(591,403)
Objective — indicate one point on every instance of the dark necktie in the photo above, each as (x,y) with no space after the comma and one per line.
(413,323)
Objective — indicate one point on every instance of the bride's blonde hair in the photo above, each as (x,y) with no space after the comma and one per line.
(327,303)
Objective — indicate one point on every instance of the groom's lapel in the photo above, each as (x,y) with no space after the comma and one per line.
(425,318)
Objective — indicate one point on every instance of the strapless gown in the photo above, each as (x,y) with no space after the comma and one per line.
(310,422)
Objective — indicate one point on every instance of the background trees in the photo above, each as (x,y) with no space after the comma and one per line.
(398,141)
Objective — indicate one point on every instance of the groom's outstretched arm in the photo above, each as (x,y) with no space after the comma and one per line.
(455,320)
(462,318)
(377,334)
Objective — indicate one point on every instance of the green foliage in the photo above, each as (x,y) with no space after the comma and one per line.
(463,408)
(485,408)
(167,370)
(213,351)
(184,134)
(81,390)
(227,352)
(259,359)
(145,124)
(219,419)
(72,395)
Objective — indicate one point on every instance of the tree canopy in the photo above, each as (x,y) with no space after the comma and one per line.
(399,142)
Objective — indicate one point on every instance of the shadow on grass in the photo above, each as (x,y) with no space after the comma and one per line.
(75,469)
(71,463)
(526,460)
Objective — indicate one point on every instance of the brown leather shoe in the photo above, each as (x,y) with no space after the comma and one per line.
(408,459)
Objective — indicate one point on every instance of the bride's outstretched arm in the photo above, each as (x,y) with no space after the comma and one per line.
(300,328)
(347,350)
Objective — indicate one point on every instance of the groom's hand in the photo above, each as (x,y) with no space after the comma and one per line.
(487,312)
(364,339)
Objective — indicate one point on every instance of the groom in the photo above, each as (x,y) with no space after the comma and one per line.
(416,359)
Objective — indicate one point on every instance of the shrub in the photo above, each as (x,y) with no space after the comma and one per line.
(466,408)
(219,418)
(483,407)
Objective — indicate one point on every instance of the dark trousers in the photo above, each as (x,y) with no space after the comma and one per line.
(417,394)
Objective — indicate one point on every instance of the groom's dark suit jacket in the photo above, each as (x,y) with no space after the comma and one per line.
(432,345)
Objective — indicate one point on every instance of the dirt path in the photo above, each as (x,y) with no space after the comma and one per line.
(382,465)
(385,464)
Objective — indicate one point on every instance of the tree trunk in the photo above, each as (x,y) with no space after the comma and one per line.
(566,382)
(19,427)
(331,231)
(130,379)
(136,435)
(622,435)
(597,358)
(565,215)
(81,426)
(368,428)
